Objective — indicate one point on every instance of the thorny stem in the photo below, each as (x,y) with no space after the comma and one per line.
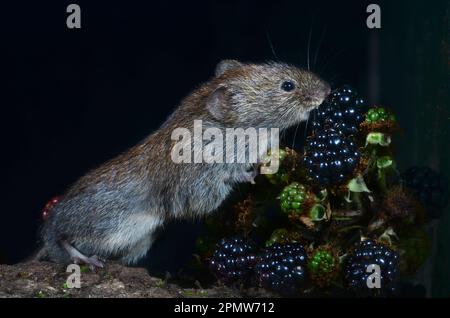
(382,180)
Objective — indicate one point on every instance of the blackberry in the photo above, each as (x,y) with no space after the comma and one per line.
(281,176)
(366,253)
(233,260)
(282,268)
(282,236)
(400,204)
(323,266)
(379,114)
(430,188)
(343,111)
(330,157)
(49,206)
(292,198)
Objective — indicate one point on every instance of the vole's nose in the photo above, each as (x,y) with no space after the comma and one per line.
(325,89)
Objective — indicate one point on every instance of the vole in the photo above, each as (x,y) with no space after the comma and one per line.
(114,211)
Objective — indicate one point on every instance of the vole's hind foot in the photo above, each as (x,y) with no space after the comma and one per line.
(78,258)
(94,262)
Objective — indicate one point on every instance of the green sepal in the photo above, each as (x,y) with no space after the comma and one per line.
(357,185)
(384,162)
(318,213)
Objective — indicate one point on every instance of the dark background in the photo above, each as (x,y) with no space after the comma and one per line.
(75,98)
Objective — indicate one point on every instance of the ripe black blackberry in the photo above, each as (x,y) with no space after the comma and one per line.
(430,188)
(233,260)
(330,157)
(282,268)
(343,110)
(366,253)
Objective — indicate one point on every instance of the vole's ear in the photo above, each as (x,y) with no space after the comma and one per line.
(226,65)
(217,103)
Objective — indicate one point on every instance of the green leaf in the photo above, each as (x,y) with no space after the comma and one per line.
(378,138)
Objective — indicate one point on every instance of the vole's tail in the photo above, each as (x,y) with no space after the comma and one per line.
(39,255)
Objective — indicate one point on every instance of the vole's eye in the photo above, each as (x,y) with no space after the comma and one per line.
(288,86)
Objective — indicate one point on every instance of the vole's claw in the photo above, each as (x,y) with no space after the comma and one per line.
(94,262)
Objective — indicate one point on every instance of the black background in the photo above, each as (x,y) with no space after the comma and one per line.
(75,98)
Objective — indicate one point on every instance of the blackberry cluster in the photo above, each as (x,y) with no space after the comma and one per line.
(282,268)
(366,253)
(330,157)
(343,111)
(233,260)
(430,188)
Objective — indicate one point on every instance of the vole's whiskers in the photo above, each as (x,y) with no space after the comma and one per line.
(271,45)
(306,126)
(309,47)
(316,55)
(295,135)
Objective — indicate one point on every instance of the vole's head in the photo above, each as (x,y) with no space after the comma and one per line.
(264,95)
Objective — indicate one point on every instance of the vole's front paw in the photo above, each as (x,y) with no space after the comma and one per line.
(250,176)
